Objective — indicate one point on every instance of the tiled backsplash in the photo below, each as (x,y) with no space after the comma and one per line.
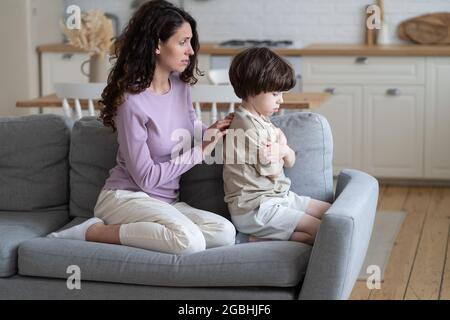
(304,21)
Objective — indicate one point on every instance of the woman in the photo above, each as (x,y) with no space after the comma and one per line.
(146,100)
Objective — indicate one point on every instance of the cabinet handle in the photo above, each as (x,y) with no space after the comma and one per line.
(361,60)
(330,90)
(67,56)
(393,92)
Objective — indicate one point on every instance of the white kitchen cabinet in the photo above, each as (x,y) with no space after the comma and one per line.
(370,70)
(343,112)
(437,125)
(393,131)
(382,125)
(61,67)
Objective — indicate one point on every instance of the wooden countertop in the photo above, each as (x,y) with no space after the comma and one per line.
(303,100)
(331,49)
(58,48)
(403,50)
(215,49)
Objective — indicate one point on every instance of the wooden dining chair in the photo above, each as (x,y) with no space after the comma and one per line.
(207,95)
(203,95)
(77,92)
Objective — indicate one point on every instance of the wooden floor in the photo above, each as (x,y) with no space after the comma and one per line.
(419,265)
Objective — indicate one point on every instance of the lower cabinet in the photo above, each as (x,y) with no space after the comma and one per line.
(343,112)
(393,130)
(437,120)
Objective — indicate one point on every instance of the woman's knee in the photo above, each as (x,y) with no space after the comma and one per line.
(189,241)
(220,233)
(227,235)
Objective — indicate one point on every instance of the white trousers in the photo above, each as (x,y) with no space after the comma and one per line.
(156,225)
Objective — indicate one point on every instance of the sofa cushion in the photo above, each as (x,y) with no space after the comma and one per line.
(267,263)
(34,166)
(16,227)
(93,150)
(308,134)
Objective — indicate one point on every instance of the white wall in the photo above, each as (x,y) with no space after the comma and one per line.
(24,25)
(121,8)
(304,21)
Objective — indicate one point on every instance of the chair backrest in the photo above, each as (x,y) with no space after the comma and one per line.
(212,95)
(218,76)
(77,91)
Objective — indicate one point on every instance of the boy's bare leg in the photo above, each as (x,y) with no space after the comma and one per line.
(306,229)
(302,237)
(317,208)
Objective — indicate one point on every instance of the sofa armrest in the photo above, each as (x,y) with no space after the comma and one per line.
(343,238)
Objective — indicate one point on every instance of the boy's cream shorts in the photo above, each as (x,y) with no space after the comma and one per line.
(276,218)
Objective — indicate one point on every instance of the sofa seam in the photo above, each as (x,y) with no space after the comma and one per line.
(171,264)
(299,276)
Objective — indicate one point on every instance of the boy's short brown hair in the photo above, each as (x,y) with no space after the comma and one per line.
(257,70)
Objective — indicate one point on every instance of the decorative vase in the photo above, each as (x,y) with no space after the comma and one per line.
(98,68)
(383,34)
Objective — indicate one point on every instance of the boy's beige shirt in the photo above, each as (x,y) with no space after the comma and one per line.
(247,181)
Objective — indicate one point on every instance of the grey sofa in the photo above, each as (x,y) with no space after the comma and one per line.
(51,174)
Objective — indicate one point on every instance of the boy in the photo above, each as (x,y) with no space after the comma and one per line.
(256,189)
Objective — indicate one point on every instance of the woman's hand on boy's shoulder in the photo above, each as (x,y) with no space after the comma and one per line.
(219,129)
(230,116)
(224,123)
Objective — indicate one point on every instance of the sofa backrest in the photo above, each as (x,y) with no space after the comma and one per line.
(34,166)
(93,151)
(309,135)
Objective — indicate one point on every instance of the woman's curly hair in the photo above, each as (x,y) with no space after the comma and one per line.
(135,54)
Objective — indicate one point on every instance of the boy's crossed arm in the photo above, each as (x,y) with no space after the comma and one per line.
(280,150)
